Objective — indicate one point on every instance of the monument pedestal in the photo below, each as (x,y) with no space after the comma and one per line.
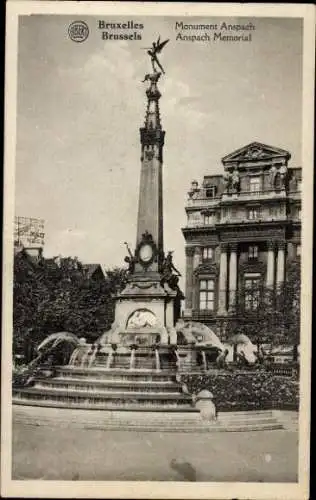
(144,314)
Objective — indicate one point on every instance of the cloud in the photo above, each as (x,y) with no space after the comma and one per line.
(181,104)
(72,233)
(187,100)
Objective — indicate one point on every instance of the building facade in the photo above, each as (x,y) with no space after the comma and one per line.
(28,232)
(243,231)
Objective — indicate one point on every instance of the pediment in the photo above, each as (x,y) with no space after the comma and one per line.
(207,268)
(256,151)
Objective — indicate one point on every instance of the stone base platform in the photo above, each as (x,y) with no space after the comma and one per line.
(107,389)
(149,421)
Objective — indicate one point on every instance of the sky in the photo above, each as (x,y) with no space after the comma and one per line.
(80,107)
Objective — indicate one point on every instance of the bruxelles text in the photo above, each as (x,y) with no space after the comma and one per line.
(110,32)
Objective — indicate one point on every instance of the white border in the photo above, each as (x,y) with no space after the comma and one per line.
(127,489)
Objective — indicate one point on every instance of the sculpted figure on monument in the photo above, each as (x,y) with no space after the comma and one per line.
(152,51)
(130,259)
(227,178)
(235,180)
(170,273)
(168,267)
(142,318)
(283,175)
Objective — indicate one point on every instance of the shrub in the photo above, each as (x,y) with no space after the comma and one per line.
(244,390)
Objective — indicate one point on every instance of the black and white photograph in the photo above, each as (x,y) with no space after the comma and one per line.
(157,250)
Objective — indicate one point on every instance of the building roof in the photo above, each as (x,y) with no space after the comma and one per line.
(90,269)
(256,151)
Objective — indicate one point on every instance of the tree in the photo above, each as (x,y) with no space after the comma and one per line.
(273,316)
(117,278)
(253,317)
(50,296)
(289,306)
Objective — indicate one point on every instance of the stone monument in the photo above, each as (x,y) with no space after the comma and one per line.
(148,308)
(137,364)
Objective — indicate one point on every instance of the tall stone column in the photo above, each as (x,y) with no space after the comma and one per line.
(197,259)
(232,276)
(189,252)
(270,264)
(222,290)
(280,263)
(150,209)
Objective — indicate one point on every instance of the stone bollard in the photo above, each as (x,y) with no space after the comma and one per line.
(204,402)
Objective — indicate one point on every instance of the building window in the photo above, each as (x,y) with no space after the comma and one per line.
(207,253)
(298,250)
(299,185)
(252,252)
(211,191)
(277,182)
(252,293)
(253,213)
(207,295)
(255,184)
(234,212)
(208,219)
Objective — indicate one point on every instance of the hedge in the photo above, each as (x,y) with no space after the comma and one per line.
(246,390)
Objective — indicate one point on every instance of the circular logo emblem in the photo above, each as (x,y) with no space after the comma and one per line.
(78,31)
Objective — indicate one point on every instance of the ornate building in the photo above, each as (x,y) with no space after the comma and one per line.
(243,230)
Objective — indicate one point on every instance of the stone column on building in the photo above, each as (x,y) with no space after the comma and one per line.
(197,257)
(232,276)
(280,263)
(270,264)
(291,250)
(189,252)
(222,284)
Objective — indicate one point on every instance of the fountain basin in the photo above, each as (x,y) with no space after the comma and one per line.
(94,385)
(118,400)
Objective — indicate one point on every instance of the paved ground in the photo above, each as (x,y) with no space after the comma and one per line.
(48,452)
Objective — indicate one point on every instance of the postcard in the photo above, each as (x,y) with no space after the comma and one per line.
(158,208)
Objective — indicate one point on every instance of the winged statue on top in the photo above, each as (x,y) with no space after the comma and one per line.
(152,51)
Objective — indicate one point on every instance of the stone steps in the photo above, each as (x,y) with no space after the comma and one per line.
(116,395)
(123,406)
(116,374)
(289,420)
(144,421)
(106,389)
(118,399)
(123,399)
(101,386)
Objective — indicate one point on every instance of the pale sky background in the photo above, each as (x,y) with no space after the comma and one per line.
(80,106)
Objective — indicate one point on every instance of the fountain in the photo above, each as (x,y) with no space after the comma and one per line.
(157,359)
(83,359)
(93,356)
(74,356)
(178,362)
(134,364)
(109,359)
(132,359)
(204,361)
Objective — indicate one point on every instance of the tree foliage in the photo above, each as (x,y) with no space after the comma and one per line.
(276,320)
(50,297)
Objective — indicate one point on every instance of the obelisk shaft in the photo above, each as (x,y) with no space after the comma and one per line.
(150,205)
